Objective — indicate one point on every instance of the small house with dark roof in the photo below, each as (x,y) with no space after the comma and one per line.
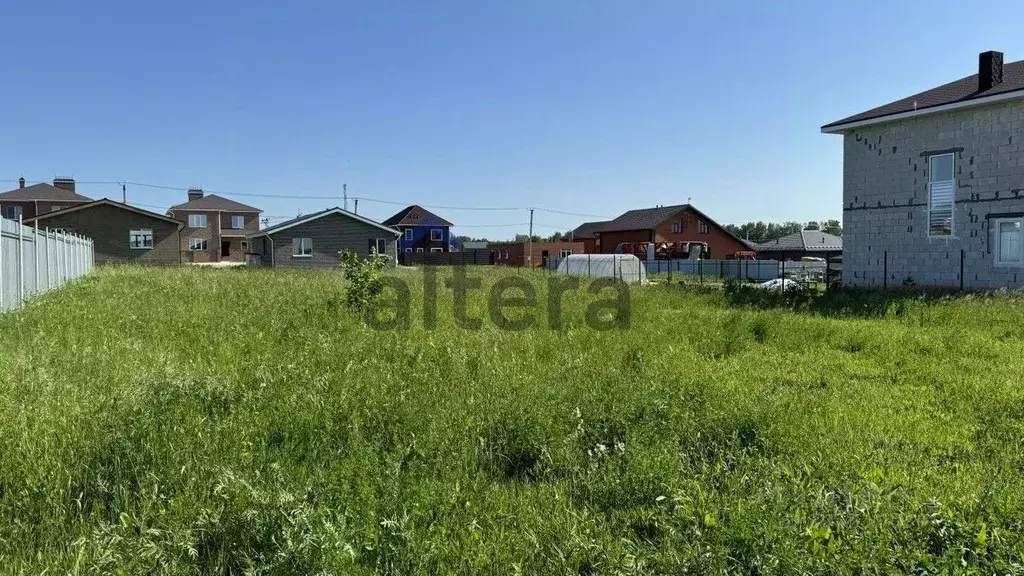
(422,231)
(813,243)
(587,234)
(315,240)
(679,223)
(120,233)
(216,228)
(932,184)
(32,200)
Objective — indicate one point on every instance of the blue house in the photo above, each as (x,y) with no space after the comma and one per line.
(422,231)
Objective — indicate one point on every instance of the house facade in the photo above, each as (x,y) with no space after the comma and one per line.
(932,185)
(531,253)
(315,240)
(422,231)
(216,228)
(36,199)
(680,223)
(120,233)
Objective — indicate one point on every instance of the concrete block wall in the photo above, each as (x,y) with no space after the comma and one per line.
(885,198)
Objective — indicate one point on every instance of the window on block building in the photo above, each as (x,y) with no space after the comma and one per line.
(302,247)
(563,252)
(378,246)
(12,212)
(702,227)
(238,222)
(197,244)
(676,228)
(140,238)
(1009,248)
(436,234)
(941,192)
(197,220)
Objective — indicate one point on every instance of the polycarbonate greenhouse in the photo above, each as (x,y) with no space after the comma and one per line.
(625,267)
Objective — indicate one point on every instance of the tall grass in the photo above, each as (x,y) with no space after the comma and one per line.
(190,421)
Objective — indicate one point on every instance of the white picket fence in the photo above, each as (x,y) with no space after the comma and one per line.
(34,260)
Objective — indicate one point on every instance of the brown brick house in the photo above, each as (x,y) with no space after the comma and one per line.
(587,233)
(680,223)
(517,253)
(216,228)
(30,201)
(120,233)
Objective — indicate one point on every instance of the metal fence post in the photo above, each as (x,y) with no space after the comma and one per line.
(961,270)
(21,264)
(1,263)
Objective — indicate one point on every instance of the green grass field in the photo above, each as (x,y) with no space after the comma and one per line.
(189,421)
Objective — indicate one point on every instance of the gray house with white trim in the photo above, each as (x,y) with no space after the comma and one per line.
(932,184)
(314,240)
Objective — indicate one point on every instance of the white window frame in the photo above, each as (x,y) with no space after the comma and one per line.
(564,252)
(381,244)
(13,212)
(408,233)
(302,247)
(56,208)
(195,219)
(418,250)
(240,224)
(676,228)
(440,235)
(702,227)
(244,245)
(197,244)
(952,199)
(144,233)
(997,243)
(437,249)
(408,250)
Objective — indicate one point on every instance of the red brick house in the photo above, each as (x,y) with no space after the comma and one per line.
(680,223)
(216,228)
(518,253)
(587,233)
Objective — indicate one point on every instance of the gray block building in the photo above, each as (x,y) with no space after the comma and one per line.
(314,240)
(932,185)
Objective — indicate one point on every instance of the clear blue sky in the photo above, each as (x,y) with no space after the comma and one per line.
(581,106)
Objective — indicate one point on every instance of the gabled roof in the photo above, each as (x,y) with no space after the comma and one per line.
(43,191)
(643,218)
(107,202)
(317,215)
(416,216)
(587,229)
(214,202)
(963,91)
(804,241)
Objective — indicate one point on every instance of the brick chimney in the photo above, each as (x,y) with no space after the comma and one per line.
(195,193)
(64,184)
(990,69)
(21,182)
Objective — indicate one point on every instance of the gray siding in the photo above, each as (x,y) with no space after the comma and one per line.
(330,234)
(885,198)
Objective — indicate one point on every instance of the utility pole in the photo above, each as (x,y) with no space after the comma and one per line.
(344,194)
(357,205)
(530,250)
(124,193)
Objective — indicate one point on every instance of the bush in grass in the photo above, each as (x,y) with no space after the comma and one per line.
(364,282)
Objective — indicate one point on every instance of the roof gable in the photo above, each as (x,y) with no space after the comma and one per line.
(214,202)
(43,191)
(587,229)
(959,91)
(416,216)
(317,215)
(105,202)
(804,241)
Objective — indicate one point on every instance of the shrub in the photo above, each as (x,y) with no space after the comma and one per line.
(364,278)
